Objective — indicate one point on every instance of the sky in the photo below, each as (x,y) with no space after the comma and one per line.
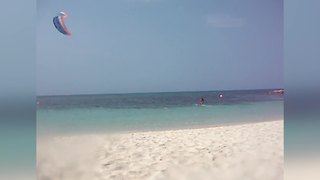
(127,46)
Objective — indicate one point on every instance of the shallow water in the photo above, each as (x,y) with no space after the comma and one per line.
(154,111)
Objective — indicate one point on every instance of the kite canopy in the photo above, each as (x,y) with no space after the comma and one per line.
(58,22)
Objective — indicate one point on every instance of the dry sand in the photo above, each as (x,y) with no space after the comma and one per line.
(238,152)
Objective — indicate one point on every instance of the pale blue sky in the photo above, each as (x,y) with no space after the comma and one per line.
(123,46)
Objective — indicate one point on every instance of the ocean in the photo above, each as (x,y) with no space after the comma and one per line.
(102,113)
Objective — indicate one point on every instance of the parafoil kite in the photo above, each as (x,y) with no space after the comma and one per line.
(58,22)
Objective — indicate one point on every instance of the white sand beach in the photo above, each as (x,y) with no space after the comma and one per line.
(235,152)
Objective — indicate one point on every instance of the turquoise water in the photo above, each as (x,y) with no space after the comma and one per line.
(154,111)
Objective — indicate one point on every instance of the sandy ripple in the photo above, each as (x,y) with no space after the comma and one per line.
(248,151)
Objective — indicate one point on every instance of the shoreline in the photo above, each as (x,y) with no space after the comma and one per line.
(46,135)
(242,151)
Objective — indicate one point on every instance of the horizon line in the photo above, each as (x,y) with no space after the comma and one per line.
(155,92)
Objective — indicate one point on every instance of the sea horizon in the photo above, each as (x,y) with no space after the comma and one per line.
(153,92)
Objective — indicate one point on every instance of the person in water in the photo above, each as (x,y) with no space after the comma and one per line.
(201,100)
